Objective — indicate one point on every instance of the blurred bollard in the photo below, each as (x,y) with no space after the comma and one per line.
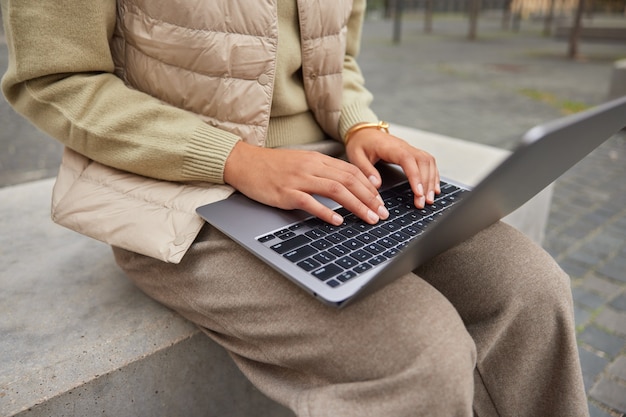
(397,21)
(618,80)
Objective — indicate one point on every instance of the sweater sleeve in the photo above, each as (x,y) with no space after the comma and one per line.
(356,98)
(60,77)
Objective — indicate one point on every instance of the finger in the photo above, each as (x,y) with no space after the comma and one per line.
(361,161)
(416,177)
(304,201)
(309,204)
(347,172)
(349,187)
(429,172)
(368,206)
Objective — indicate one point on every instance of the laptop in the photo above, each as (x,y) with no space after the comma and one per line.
(340,264)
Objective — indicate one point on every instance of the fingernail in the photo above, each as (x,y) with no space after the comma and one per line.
(420,189)
(431,196)
(438,187)
(382,212)
(337,219)
(374,180)
(372,216)
(421,202)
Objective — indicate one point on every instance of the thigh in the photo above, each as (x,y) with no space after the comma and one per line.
(516,303)
(497,268)
(259,314)
(403,346)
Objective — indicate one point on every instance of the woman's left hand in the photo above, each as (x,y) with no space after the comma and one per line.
(368,146)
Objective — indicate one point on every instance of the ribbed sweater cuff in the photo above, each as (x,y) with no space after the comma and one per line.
(354,114)
(207,153)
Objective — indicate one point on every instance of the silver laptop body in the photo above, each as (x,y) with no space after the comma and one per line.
(544,153)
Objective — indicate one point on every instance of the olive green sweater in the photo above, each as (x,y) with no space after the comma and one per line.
(60,76)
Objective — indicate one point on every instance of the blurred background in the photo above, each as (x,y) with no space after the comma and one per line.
(486,71)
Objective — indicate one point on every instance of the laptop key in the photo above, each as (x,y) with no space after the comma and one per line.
(315,233)
(300,253)
(379,232)
(359,269)
(308,264)
(361,255)
(338,251)
(347,262)
(377,260)
(348,232)
(290,244)
(327,271)
(387,242)
(366,238)
(448,188)
(286,235)
(266,238)
(412,231)
(375,248)
(336,238)
(400,236)
(321,244)
(391,253)
(345,276)
(390,227)
(324,257)
(353,244)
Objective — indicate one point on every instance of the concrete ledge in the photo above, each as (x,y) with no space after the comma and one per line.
(78,339)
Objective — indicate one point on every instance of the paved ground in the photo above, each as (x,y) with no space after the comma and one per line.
(490,91)
(493,90)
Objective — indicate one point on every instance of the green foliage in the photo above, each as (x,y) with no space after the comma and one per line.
(565,106)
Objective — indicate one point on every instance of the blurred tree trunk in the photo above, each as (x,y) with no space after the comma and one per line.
(547,24)
(517,11)
(388,8)
(506,13)
(474,11)
(574,36)
(397,20)
(589,9)
(428,16)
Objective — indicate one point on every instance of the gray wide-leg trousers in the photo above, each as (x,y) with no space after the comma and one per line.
(484,329)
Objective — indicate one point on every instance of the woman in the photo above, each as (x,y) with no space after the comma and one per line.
(166,105)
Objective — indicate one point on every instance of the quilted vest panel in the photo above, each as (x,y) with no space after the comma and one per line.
(217,59)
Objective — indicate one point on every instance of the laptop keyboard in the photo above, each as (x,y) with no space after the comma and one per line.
(337,254)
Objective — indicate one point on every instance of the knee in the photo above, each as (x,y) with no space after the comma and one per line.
(420,344)
(536,283)
(439,380)
(521,276)
(447,376)
(422,366)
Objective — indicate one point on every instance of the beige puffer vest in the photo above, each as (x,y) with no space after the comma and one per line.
(216,59)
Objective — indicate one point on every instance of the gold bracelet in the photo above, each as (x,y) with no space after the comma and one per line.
(382,125)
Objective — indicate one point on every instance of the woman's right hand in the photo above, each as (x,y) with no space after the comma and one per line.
(287,179)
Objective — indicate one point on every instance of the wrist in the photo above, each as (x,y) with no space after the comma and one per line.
(235,160)
(381,125)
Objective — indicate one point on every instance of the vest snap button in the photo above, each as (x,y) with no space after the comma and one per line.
(263,79)
(180,239)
